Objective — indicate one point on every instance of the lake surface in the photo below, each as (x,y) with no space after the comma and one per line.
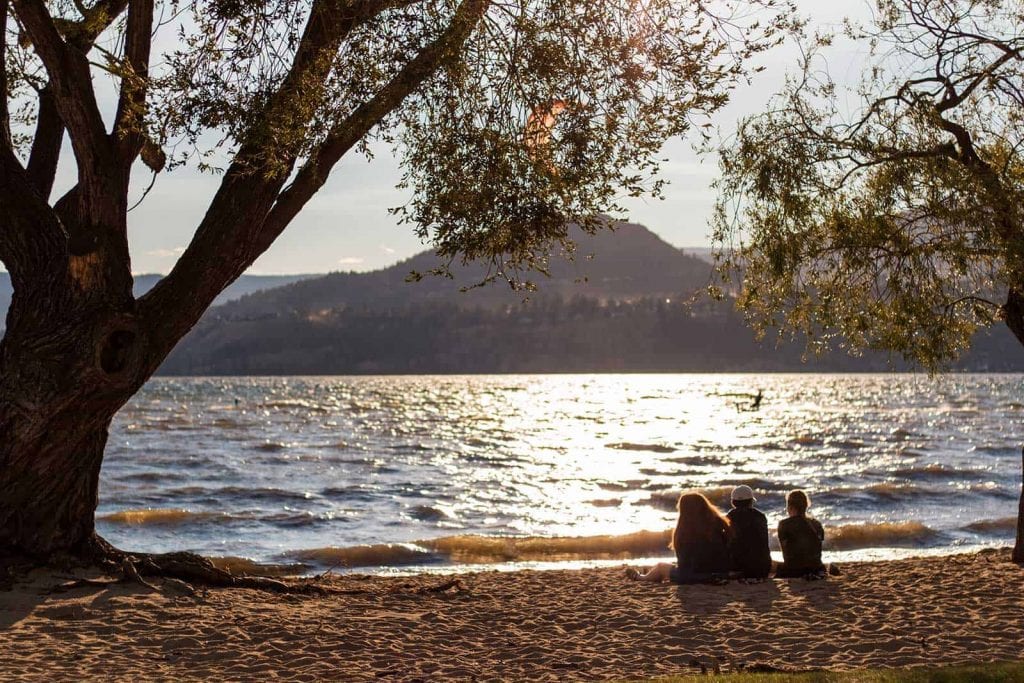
(442,473)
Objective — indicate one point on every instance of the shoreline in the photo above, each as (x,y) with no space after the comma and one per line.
(461,551)
(521,625)
(289,567)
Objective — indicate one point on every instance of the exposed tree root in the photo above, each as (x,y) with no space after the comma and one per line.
(132,573)
(83,583)
(186,567)
(181,573)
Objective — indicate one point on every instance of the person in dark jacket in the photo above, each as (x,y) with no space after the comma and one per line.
(800,537)
(701,541)
(748,549)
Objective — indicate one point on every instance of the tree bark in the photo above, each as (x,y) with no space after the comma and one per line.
(48,495)
(1018,548)
(68,361)
(1013,310)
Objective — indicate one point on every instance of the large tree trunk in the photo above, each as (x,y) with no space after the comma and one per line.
(67,364)
(48,493)
(1018,548)
(78,345)
(1014,312)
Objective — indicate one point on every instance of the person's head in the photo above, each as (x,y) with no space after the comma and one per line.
(797,503)
(699,520)
(743,497)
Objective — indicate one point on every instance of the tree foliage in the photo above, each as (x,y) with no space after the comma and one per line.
(513,119)
(280,90)
(895,223)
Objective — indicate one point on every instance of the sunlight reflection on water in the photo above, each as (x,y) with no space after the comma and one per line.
(262,467)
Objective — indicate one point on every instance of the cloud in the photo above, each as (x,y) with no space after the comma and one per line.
(386,249)
(166,253)
(350,261)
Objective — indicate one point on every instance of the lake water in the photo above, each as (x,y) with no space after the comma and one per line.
(442,473)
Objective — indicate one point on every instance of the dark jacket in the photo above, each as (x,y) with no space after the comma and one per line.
(697,560)
(801,538)
(749,547)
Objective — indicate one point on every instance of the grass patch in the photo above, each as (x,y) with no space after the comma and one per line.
(1004,672)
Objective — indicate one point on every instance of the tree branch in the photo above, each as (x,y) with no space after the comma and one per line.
(343,137)
(71,84)
(968,155)
(82,34)
(231,237)
(32,241)
(5,115)
(46,143)
(330,22)
(49,133)
(128,122)
(953,99)
(1013,312)
(893,155)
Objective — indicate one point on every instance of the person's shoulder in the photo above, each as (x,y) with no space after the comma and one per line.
(816,524)
(745,512)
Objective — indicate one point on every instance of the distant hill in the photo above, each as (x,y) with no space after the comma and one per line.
(544,335)
(627,262)
(247,284)
(621,306)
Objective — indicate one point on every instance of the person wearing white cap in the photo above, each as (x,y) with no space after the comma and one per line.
(748,548)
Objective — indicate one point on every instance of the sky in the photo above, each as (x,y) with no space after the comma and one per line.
(347,226)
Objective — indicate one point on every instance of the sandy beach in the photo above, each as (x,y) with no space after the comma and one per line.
(525,625)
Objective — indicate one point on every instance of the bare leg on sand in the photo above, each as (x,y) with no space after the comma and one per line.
(660,572)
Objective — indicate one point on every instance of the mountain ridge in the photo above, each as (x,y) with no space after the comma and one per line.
(627,261)
(624,305)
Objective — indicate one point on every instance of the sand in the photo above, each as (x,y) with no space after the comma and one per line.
(525,625)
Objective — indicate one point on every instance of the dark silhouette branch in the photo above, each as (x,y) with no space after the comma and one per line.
(1013,312)
(954,99)
(46,143)
(32,241)
(231,235)
(71,83)
(343,137)
(131,104)
(93,214)
(49,132)
(82,35)
(891,156)
(5,114)
(328,25)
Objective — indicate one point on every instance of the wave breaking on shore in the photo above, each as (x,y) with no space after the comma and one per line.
(476,549)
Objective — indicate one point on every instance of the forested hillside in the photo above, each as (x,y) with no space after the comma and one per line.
(624,304)
(627,262)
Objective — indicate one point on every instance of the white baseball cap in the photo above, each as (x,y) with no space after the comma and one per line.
(743,492)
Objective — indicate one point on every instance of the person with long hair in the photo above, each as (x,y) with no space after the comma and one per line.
(701,542)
